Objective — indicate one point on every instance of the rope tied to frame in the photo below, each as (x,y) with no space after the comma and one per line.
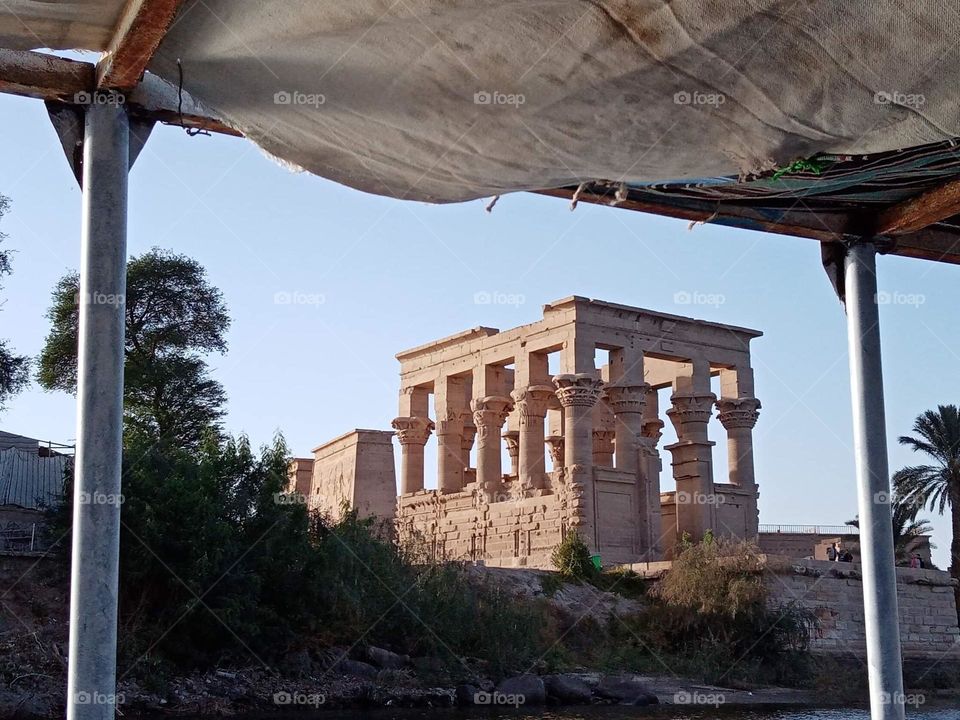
(192,132)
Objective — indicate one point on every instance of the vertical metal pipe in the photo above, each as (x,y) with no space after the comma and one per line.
(873,484)
(91,679)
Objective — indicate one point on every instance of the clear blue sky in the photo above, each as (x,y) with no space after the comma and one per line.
(396,274)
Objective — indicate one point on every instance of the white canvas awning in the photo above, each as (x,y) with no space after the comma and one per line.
(445,101)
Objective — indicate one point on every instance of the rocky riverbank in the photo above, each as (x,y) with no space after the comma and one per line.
(316,677)
(382,680)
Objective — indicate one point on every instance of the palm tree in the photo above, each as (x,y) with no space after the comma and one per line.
(937,486)
(907,530)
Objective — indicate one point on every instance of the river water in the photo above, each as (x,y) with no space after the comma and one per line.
(942,711)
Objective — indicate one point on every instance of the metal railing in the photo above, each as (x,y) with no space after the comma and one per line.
(810,529)
(20,537)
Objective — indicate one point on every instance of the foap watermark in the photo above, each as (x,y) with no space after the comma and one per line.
(685,297)
(498,698)
(884,497)
(299,698)
(495,97)
(99,298)
(99,97)
(299,298)
(899,698)
(686,697)
(898,298)
(98,698)
(99,498)
(295,97)
(289,499)
(698,498)
(696,97)
(896,97)
(484,297)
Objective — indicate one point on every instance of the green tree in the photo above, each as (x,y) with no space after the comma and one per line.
(907,530)
(213,561)
(174,317)
(218,565)
(937,485)
(14,369)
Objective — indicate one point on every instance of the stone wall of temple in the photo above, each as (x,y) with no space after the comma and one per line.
(735,512)
(834,592)
(463,526)
(364,455)
(516,531)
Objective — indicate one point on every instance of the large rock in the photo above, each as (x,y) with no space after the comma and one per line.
(385,659)
(429,665)
(568,689)
(465,695)
(297,664)
(359,669)
(527,689)
(625,690)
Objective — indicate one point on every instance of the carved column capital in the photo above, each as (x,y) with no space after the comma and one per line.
(652,429)
(555,447)
(626,398)
(603,442)
(578,390)
(738,412)
(532,402)
(512,440)
(693,407)
(412,430)
(489,414)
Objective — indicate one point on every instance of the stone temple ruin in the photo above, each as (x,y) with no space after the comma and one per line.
(494,391)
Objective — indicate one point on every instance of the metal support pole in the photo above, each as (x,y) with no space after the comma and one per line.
(873,484)
(91,680)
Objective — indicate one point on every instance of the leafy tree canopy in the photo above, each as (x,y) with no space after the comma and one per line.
(936,434)
(174,317)
(14,369)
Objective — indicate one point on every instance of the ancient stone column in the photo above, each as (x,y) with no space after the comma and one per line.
(693,463)
(603,448)
(627,403)
(512,439)
(412,432)
(578,393)
(555,448)
(466,440)
(531,404)
(450,454)
(649,491)
(738,417)
(489,414)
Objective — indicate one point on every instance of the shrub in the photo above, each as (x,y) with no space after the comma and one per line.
(713,605)
(572,558)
